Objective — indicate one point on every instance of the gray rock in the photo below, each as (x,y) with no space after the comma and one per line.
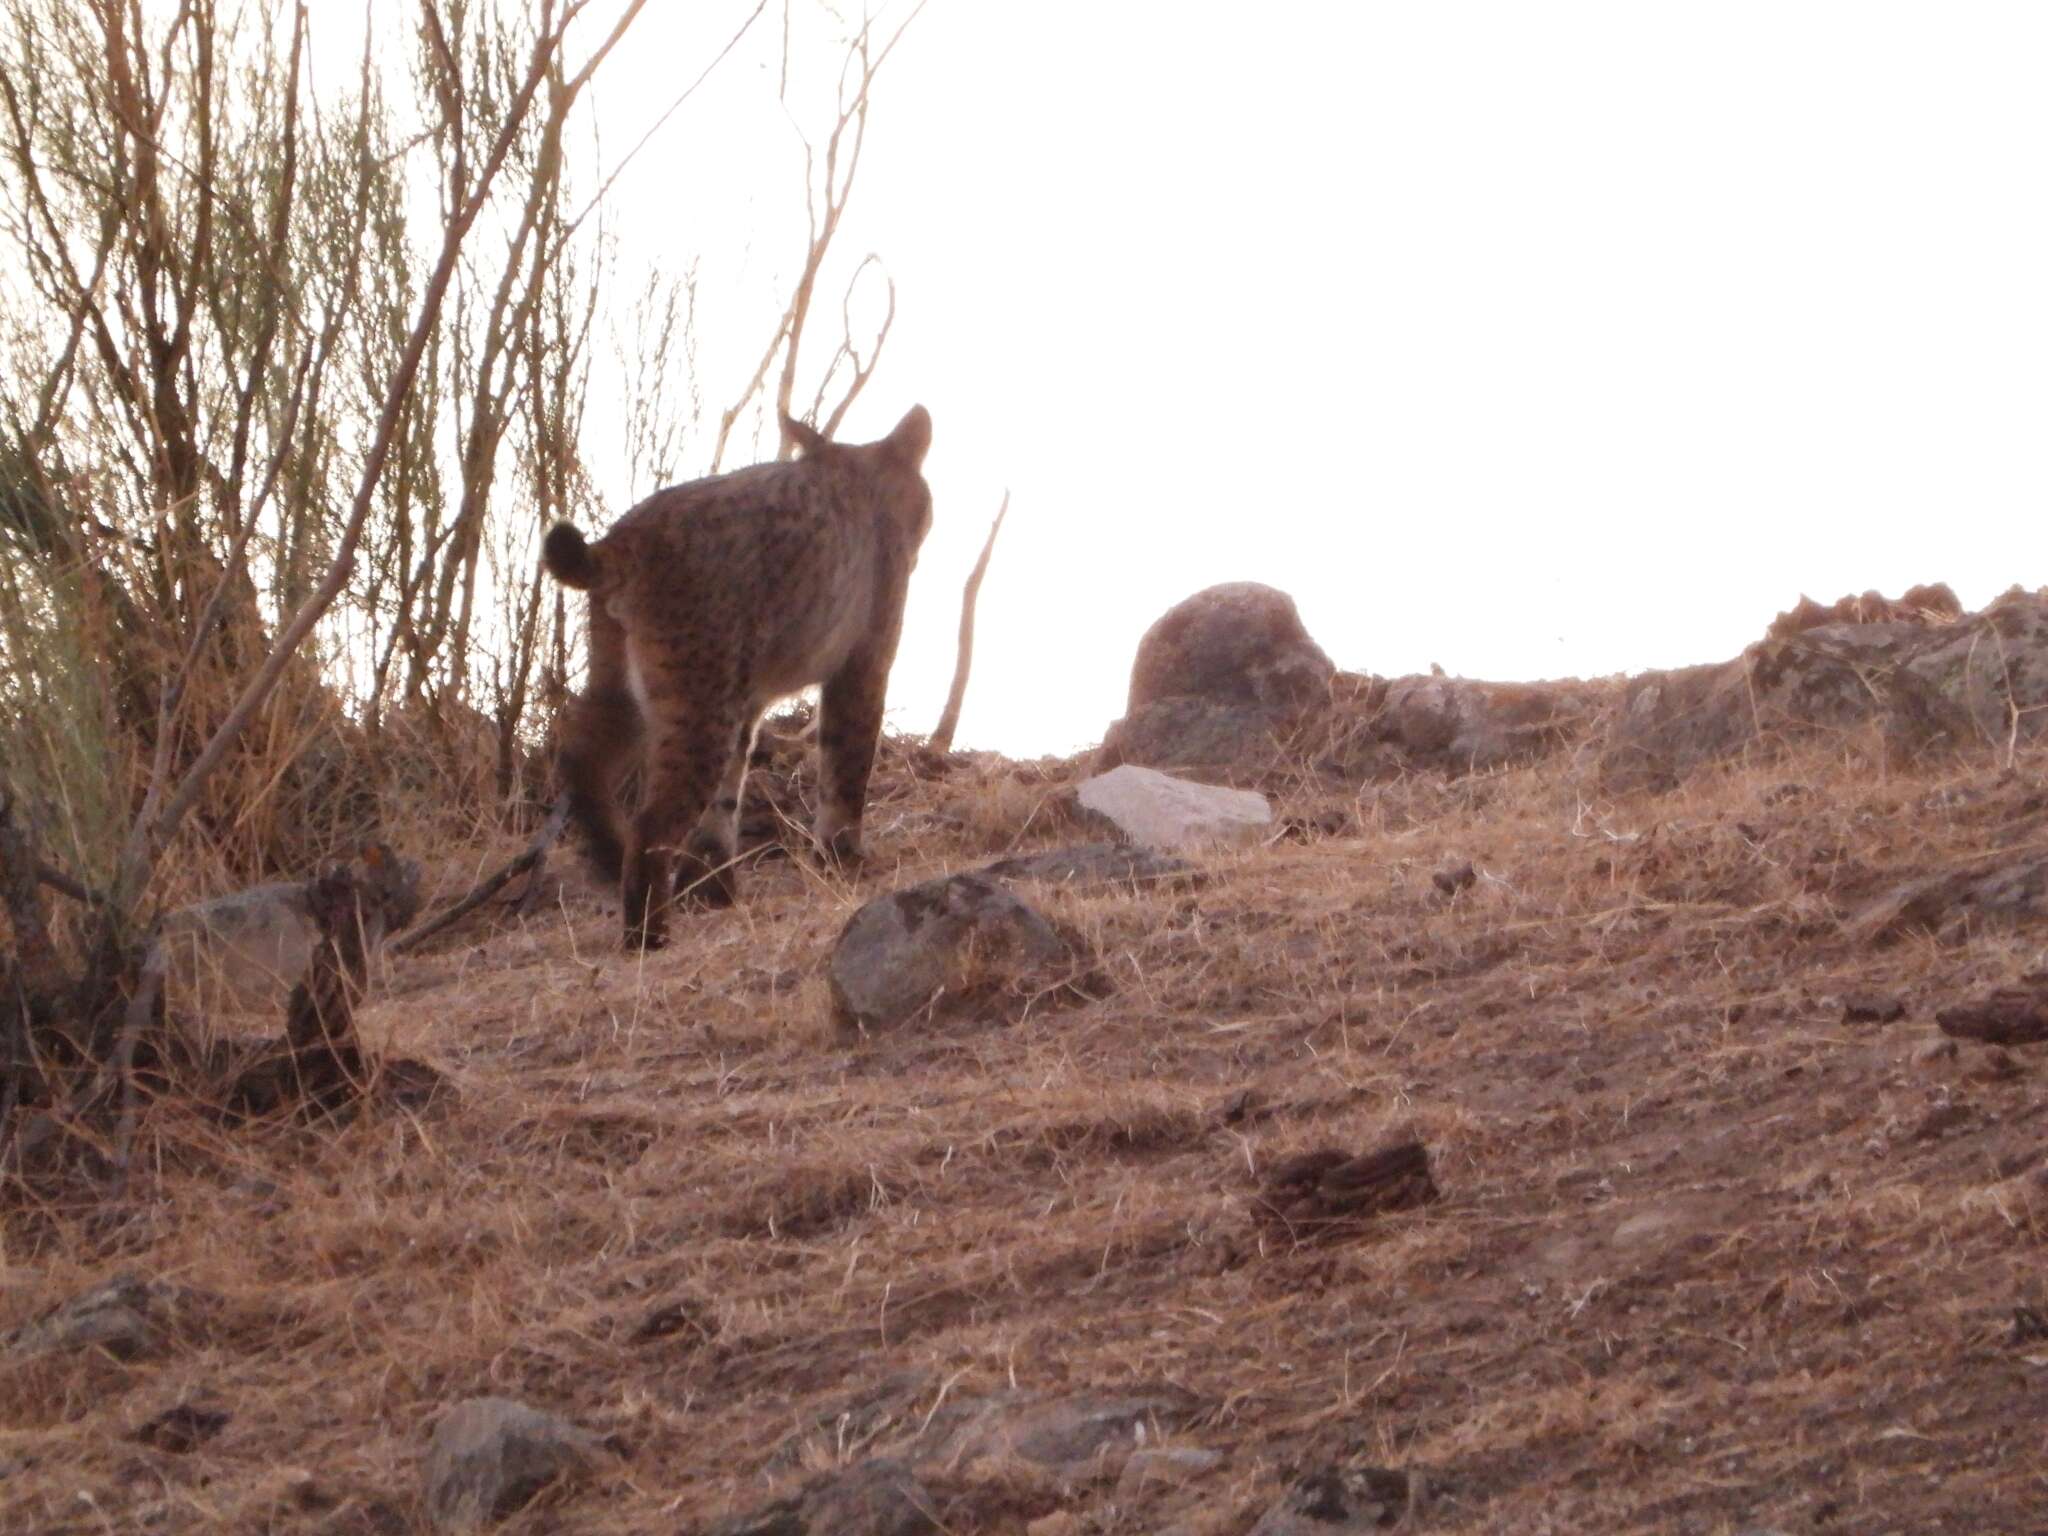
(120,1316)
(1343,1501)
(1241,642)
(1980,679)
(1090,864)
(879,1497)
(490,1455)
(244,952)
(962,945)
(1156,810)
(1162,1467)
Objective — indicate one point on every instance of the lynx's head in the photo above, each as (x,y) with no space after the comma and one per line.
(893,468)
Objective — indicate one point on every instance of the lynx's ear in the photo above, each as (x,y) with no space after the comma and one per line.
(806,440)
(912,439)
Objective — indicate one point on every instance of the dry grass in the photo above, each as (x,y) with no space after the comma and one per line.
(1708,1257)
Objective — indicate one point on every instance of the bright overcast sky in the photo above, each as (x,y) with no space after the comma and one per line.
(1530,340)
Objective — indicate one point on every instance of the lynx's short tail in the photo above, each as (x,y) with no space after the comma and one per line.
(568,558)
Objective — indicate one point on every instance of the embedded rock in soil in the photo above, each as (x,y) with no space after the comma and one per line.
(490,1455)
(182,1427)
(2006,1016)
(872,1498)
(1089,864)
(1156,810)
(1069,1436)
(2004,890)
(1872,1008)
(1339,1501)
(1212,738)
(1464,725)
(1979,680)
(959,945)
(1332,1193)
(122,1316)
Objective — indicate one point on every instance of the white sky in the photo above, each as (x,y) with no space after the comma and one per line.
(1531,340)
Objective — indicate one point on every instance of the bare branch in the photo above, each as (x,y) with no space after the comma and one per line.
(949,719)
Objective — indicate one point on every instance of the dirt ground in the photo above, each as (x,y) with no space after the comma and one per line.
(1709,1255)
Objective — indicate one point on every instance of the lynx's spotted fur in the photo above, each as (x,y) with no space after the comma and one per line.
(708,601)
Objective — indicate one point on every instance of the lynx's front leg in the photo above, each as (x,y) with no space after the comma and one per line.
(849,726)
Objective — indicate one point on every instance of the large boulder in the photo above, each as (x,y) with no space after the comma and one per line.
(1919,683)
(1221,684)
(1240,642)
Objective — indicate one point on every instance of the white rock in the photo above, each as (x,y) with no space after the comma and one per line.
(1160,811)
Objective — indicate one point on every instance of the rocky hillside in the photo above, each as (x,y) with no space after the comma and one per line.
(1558,1146)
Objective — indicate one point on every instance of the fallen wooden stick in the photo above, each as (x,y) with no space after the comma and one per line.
(528,861)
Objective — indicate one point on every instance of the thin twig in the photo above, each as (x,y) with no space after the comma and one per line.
(485,889)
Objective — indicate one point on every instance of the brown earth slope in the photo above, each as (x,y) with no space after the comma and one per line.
(1711,1255)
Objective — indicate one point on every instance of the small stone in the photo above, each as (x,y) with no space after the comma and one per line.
(1934,1051)
(183,1427)
(300,1489)
(1158,810)
(1453,878)
(1061,1522)
(490,1455)
(1343,1501)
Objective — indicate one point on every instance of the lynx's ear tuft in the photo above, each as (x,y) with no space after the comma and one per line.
(806,440)
(912,439)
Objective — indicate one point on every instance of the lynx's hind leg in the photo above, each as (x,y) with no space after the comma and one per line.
(686,759)
(706,873)
(601,741)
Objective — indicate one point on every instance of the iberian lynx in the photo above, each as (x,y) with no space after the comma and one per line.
(708,601)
